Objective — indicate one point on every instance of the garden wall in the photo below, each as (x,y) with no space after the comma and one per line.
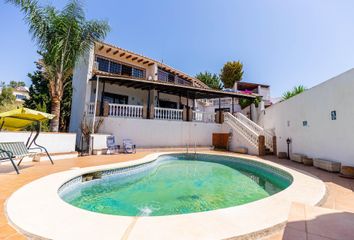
(319,121)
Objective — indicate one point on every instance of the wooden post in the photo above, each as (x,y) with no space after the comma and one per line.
(261,145)
(187,107)
(275,145)
(219,110)
(180,101)
(102,96)
(105,109)
(233,106)
(148,107)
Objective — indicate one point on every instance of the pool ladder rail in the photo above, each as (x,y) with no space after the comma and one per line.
(195,149)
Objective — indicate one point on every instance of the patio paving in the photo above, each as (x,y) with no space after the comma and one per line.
(333,220)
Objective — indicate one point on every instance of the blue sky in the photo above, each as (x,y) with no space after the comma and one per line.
(282,43)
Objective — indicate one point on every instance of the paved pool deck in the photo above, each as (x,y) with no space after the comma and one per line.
(333,220)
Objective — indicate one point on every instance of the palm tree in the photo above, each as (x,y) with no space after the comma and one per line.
(295,91)
(62,37)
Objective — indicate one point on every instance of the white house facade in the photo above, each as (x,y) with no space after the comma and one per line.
(143,99)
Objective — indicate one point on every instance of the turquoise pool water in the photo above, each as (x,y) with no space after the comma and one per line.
(178,184)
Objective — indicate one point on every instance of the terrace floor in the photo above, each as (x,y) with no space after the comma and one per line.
(333,220)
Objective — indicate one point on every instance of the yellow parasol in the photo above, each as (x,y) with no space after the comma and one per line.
(20,118)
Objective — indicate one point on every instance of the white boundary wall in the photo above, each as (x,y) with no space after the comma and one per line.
(322,137)
(53,142)
(160,133)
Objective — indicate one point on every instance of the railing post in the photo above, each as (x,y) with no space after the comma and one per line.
(261,145)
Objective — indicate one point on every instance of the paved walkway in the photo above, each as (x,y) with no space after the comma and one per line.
(334,220)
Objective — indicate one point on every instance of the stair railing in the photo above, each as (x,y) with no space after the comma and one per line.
(258,129)
(248,133)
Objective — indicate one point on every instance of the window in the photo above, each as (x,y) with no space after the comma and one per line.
(334,115)
(183,81)
(103,64)
(115,98)
(138,73)
(126,70)
(115,68)
(20,97)
(162,75)
(167,104)
(106,65)
(171,78)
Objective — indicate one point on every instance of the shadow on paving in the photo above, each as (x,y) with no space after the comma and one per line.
(321,225)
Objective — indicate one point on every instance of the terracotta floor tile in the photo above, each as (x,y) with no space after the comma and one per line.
(296,219)
(6,231)
(16,236)
(293,234)
(328,223)
(316,237)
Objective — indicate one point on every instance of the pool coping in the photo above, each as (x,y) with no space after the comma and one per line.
(49,217)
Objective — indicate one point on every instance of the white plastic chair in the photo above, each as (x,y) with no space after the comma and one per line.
(129,146)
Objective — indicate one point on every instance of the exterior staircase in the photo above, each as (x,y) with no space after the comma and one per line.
(254,134)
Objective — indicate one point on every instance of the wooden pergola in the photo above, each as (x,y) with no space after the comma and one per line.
(187,91)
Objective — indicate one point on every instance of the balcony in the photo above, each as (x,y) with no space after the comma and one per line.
(158,113)
(168,114)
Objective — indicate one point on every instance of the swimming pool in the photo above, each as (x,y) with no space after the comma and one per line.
(175,184)
(50,217)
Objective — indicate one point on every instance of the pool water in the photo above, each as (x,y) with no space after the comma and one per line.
(175,186)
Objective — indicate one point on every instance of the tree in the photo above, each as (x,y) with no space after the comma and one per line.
(231,72)
(211,80)
(295,91)
(245,102)
(7,97)
(62,37)
(15,84)
(40,99)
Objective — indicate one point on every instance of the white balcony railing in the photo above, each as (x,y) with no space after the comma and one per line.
(124,110)
(168,114)
(203,116)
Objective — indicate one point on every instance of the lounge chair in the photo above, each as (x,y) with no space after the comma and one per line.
(112,147)
(9,151)
(129,146)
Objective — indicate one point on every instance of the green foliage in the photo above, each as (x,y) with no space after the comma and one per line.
(245,102)
(15,84)
(231,72)
(40,99)
(10,106)
(6,96)
(211,80)
(62,37)
(295,91)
